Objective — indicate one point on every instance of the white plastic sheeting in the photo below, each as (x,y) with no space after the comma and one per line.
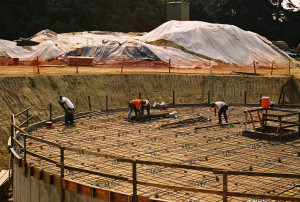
(226,43)
(223,42)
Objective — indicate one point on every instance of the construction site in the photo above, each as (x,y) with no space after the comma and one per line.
(179,152)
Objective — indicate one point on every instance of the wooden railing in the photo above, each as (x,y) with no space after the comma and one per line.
(225,173)
(276,118)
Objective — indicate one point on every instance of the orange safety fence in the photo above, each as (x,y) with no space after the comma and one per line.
(258,67)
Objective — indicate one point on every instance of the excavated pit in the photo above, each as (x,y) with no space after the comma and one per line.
(194,138)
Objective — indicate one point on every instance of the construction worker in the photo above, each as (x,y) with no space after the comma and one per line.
(68,106)
(221,107)
(145,105)
(134,105)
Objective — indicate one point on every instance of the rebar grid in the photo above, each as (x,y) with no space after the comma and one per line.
(220,147)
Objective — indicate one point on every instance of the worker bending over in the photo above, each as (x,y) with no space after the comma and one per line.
(145,105)
(138,105)
(68,106)
(221,107)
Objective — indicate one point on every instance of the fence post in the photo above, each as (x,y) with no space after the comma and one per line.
(76,66)
(173,97)
(50,111)
(37,63)
(272,67)
(225,175)
(90,105)
(25,168)
(140,95)
(106,100)
(134,184)
(245,98)
(254,67)
(122,66)
(62,173)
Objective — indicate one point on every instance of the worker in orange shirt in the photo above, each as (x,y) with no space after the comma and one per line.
(134,105)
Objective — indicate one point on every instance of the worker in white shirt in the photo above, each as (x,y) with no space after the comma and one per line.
(221,107)
(145,105)
(68,106)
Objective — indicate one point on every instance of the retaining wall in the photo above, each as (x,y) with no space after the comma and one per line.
(18,93)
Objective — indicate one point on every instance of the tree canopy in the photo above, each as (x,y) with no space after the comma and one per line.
(25,18)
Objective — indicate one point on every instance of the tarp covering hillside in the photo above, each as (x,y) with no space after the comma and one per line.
(185,44)
(222,42)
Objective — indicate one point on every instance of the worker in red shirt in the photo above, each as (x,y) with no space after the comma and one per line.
(134,105)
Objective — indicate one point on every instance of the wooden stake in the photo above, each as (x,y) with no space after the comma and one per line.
(208,98)
(50,111)
(134,182)
(173,97)
(169,65)
(90,105)
(106,98)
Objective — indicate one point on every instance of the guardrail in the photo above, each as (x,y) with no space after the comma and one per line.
(225,173)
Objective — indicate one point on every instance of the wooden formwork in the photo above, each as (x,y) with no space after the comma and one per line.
(272,123)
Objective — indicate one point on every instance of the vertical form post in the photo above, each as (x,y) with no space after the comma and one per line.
(27,116)
(266,117)
(62,174)
(50,111)
(246,119)
(245,98)
(254,67)
(25,167)
(173,97)
(225,189)
(263,121)
(76,65)
(272,67)
(208,98)
(289,67)
(37,63)
(140,95)
(260,99)
(134,183)
(279,128)
(106,101)
(90,105)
